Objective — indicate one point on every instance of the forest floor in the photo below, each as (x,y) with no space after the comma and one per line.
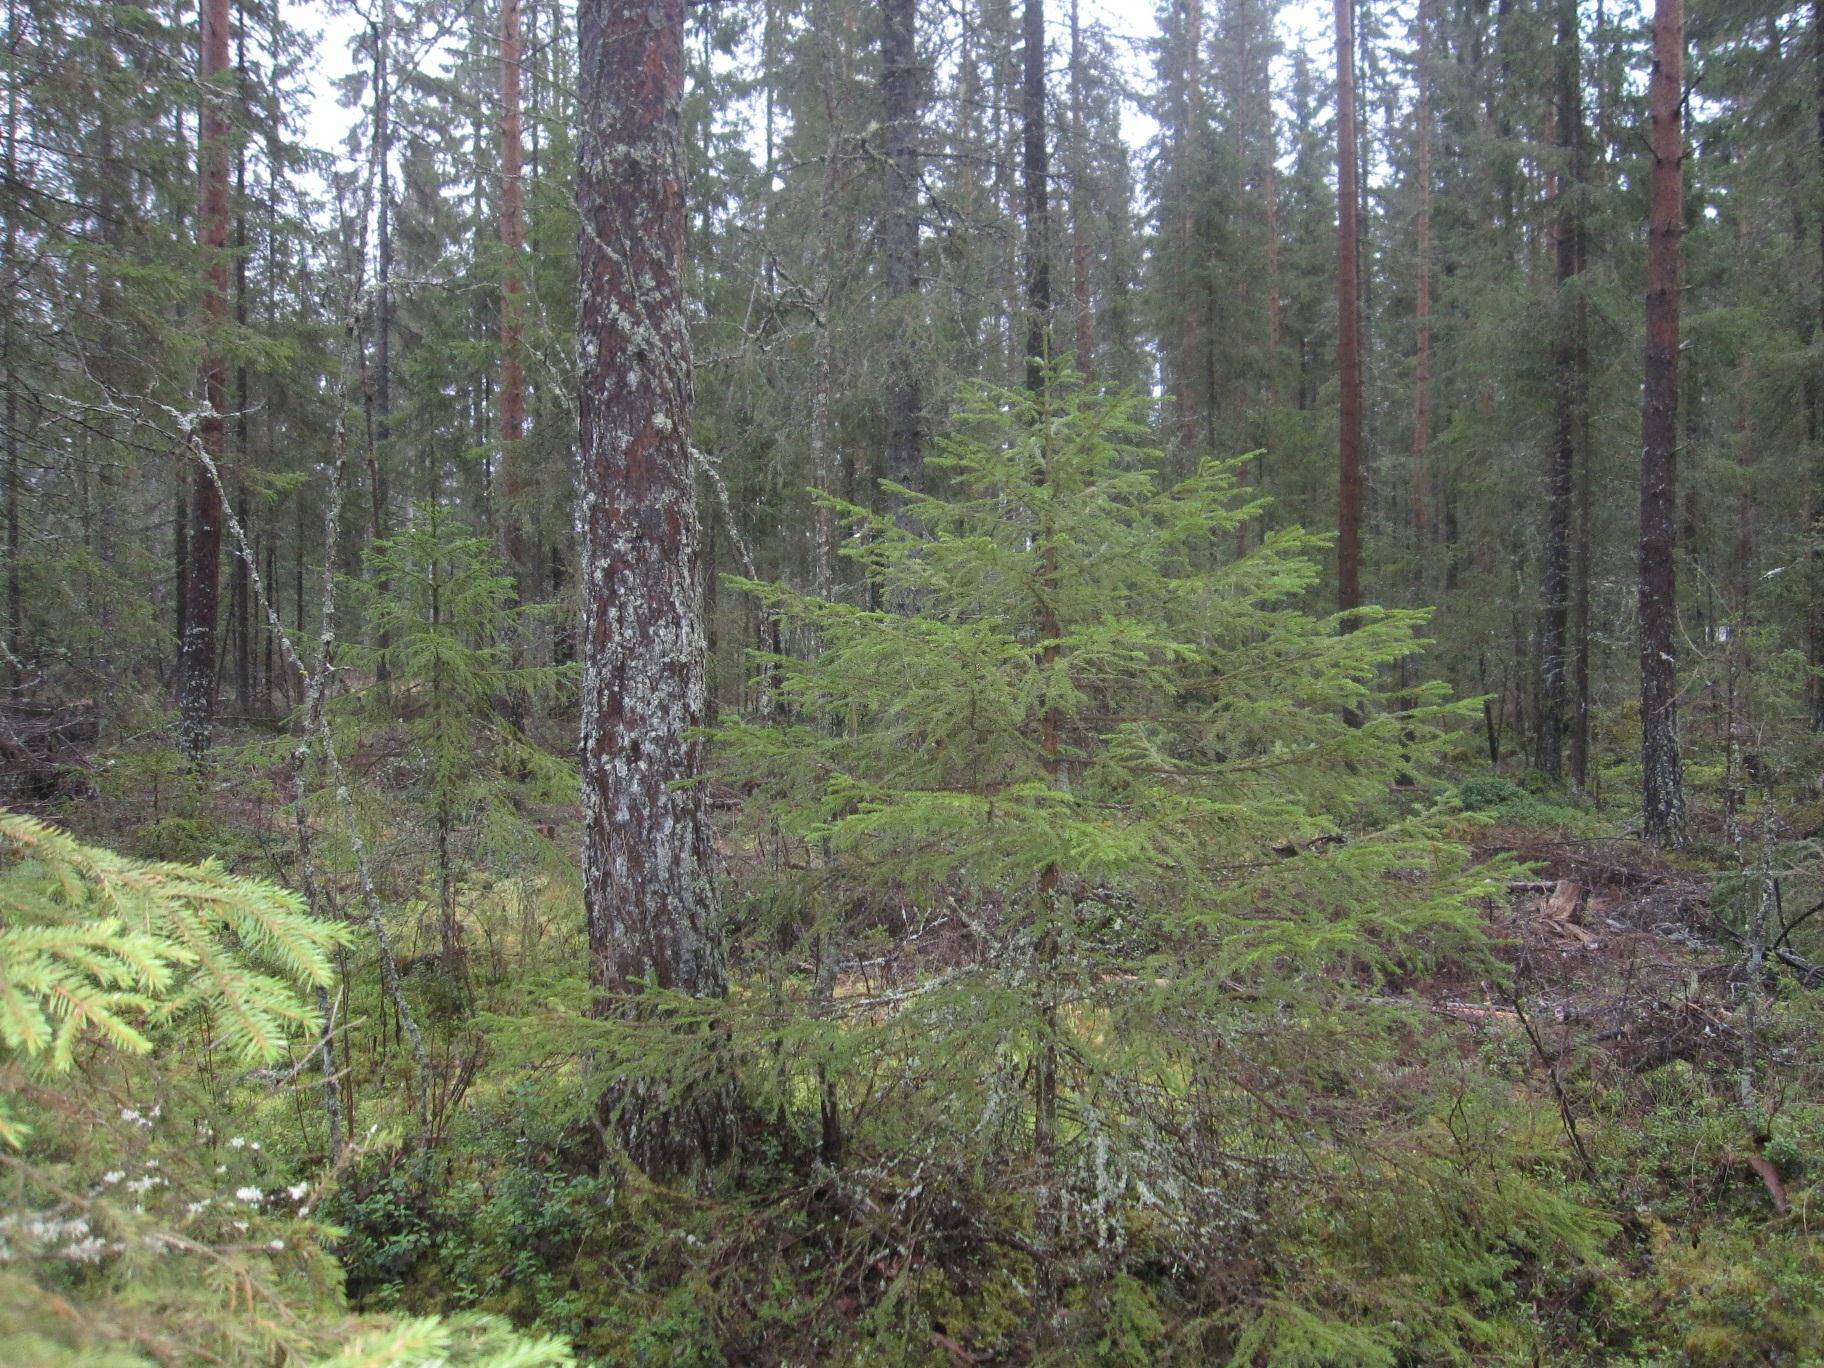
(1617,1014)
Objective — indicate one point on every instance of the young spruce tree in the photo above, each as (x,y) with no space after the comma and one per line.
(1117,755)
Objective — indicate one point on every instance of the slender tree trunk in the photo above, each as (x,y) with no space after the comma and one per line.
(1555,585)
(1581,567)
(243,597)
(648,889)
(512,244)
(1348,325)
(383,280)
(1047,1213)
(823,460)
(1079,205)
(900,85)
(1815,504)
(202,579)
(1421,380)
(15,591)
(1035,165)
(1662,797)
(1189,336)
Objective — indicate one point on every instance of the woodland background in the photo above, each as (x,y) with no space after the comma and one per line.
(1121,949)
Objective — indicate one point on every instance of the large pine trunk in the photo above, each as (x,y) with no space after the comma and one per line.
(647,855)
(1555,587)
(203,546)
(900,83)
(1662,797)
(1348,325)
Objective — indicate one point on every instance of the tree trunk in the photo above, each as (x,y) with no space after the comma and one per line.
(1189,338)
(1555,585)
(202,577)
(1047,1212)
(512,242)
(1348,325)
(1035,166)
(1079,205)
(1662,797)
(648,889)
(383,266)
(900,86)
(15,592)
(242,582)
(1815,504)
(1581,562)
(1421,380)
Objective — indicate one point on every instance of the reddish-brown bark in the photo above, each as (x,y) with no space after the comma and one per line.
(647,855)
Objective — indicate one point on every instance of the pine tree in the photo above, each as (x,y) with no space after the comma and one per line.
(651,902)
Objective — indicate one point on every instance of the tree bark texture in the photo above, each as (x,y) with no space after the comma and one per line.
(512,244)
(901,82)
(1348,324)
(1815,505)
(1035,165)
(1421,378)
(203,549)
(1555,586)
(1662,796)
(647,856)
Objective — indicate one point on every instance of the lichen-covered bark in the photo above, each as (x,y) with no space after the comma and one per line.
(1662,798)
(647,853)
(203,548)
